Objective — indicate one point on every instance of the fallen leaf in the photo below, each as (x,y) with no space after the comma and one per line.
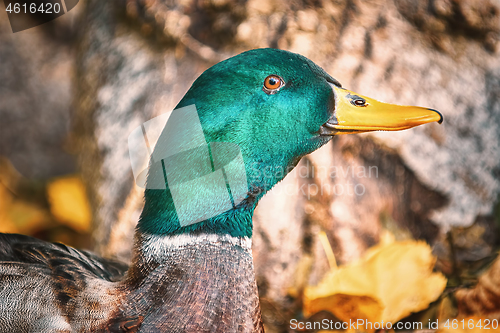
(69,203)
(17,216)
(484,298)
(390,282)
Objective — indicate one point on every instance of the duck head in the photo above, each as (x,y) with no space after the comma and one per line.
(273,107)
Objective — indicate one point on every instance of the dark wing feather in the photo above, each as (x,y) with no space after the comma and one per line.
(25,249)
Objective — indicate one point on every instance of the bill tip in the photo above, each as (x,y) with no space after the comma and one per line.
(440,121)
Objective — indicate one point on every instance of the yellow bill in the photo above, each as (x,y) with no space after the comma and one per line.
(355,113)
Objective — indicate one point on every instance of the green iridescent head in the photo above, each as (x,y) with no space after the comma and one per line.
(275,107)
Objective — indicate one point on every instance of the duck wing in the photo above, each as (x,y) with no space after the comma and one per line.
(16,248)
(43,285)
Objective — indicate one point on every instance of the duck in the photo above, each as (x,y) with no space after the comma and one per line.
(192,267)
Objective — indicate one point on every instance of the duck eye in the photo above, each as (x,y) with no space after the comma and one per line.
(272,83)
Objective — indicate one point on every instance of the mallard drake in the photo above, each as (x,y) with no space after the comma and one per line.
(274,107)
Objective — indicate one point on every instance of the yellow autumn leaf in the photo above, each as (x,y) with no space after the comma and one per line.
(24,217)
(390,282)
(6,224)
(68,202)
(16,215)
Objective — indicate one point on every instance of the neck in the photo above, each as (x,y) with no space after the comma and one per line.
(159,217)
(208,277)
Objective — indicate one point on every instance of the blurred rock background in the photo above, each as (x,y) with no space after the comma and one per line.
(73,89)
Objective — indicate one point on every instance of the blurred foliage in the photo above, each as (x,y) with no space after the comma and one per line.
(392,280)
(395,281)
(55,210)
(68,202)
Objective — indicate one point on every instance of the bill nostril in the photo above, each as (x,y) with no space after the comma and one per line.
(359,102)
